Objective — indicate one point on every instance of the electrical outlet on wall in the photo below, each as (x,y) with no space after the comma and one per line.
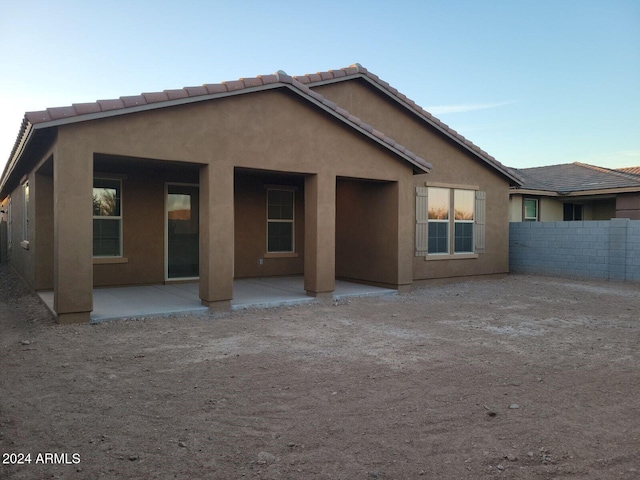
(261,261)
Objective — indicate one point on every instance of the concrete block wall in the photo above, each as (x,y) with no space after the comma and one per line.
(604,249)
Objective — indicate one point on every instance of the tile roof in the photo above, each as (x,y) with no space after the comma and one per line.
(632,170)
(145,101)
(576,177)
(358,71)
(102,108)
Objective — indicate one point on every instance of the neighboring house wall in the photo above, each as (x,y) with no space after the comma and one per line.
(604,249)
(628,206)
(602,209)
(551,209)
(453,166)
(515,208)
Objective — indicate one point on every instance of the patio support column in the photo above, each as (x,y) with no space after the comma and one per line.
(216,236)
(406,220)
(320,235)
(72,233)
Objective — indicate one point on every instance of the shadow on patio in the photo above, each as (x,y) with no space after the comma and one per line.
(154,300)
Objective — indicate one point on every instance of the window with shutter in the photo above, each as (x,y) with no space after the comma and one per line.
(450,222)
(422,221)
(480,221)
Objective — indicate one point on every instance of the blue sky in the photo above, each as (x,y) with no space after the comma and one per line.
(531,82)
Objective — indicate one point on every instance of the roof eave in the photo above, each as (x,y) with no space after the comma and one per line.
(514,179)
(24,137)
(29,127)
(574,193)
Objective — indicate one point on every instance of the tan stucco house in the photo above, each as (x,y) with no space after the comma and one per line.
(575,191)
(330,175)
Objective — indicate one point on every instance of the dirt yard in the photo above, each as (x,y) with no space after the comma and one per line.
(513,377)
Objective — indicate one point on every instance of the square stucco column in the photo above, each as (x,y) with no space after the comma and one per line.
(406,232)
(216,236)
(320,235)
(72,234)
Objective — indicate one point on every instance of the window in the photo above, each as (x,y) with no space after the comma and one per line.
(530,207)
(440,229)
(464,203)
(572,211)
(280,227)
(438,220)
(107,218)
(25,224)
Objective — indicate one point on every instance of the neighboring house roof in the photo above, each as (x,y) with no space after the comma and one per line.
(53,117)
(632,170)
(358,71)
(575,179)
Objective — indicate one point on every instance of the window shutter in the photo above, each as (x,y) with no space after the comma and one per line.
(422,219)
(480,221)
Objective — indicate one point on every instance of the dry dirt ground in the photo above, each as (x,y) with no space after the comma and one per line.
(512,377)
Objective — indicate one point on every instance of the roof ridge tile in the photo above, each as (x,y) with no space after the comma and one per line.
(86,108)
(61,112)
(111,104)
(195,91)
(133,100)
(176,94)
(213,88)
(156,97)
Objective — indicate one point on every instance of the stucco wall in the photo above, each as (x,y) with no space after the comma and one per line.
(21,254)
(272,131)
(250,253)
(452,165)
(365,248)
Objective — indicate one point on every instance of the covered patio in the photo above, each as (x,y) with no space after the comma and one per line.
(182,298)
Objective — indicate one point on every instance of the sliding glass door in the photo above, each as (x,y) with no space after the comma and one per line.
(182,245)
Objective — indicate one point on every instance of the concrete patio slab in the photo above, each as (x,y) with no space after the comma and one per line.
(183,298)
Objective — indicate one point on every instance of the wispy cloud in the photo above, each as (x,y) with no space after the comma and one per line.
(464,107)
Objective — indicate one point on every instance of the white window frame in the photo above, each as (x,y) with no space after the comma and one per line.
(456,221)
(524,209)
(441,221)
(423,197)
(114,218)
(291,221)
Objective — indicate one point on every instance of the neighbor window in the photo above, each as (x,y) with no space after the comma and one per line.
(25,224)
(530,209)
(107,218)
(280,225)
(572,211)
